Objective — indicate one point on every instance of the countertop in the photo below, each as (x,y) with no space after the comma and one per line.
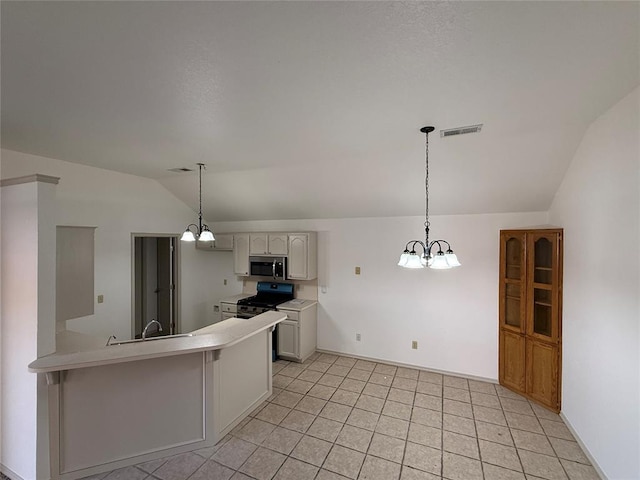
(80,353)
(297,304)
(235,298)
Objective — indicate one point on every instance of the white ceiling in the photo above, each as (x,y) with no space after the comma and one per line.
(313,109)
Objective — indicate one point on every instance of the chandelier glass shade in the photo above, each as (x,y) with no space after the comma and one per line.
(200,232)
(427,254)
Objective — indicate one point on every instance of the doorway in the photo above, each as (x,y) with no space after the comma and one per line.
(155,284)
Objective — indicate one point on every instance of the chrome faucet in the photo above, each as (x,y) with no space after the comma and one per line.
(144,332)
(109,340)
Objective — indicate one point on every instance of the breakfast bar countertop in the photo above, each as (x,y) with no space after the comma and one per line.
(213,337)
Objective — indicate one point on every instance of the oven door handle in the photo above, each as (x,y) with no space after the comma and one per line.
(273,269)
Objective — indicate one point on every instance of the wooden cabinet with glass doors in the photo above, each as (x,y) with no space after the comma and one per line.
(530,349)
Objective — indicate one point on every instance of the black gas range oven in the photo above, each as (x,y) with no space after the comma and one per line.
(269,295)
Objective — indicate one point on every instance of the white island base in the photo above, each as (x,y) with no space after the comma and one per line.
(125,411)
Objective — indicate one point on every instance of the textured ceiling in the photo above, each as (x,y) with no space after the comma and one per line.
(313,109)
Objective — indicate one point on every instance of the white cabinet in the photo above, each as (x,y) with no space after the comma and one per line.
(298,333)
(241,254)
(303,256)
(288,336)
(229,310)
(300,248)
(278,244)
(268,244)
(223,242)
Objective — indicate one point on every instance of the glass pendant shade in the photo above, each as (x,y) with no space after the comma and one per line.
(440,262)
(404,258)
(206,235)
(452,259)
(188,236)
(414,261)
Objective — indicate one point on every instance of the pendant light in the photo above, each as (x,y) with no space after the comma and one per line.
(202,232)
(441,260)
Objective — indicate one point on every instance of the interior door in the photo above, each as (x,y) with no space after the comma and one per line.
(164,284)
(155,284)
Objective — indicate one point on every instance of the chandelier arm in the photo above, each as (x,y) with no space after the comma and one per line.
(413,245)
(439,244)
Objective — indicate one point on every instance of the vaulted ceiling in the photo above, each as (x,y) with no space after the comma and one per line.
(313,109)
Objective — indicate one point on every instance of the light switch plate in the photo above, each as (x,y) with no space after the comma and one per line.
(100,298)
(357,270)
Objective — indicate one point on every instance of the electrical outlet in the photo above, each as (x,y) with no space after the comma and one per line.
(225,281)
(216,308)
(357,270)
(100,298)
(358,337)
(414,345)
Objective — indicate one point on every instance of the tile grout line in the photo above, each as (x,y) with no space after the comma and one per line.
(394,414)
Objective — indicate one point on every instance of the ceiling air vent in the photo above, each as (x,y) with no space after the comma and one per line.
(181,169)
(460,130)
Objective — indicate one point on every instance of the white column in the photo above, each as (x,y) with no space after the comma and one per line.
(27,295)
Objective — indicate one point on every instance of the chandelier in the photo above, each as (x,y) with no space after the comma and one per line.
(202,232)
(441,259)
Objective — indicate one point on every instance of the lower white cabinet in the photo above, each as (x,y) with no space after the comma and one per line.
(288,336)
(229,310)
(297,334)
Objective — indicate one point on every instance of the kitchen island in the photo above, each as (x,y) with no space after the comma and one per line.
(120,405)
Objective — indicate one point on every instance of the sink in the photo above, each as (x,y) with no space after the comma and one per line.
(151,339)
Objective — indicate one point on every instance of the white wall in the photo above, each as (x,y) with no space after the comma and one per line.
(119,204)
(598,205)
(28,325)
(452,314)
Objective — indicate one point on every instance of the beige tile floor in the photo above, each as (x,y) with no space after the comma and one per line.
(342,418)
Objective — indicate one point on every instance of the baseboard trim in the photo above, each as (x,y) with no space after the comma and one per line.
(584,448)
(9,473)
(408,365)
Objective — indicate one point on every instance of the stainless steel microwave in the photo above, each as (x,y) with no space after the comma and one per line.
(272,267)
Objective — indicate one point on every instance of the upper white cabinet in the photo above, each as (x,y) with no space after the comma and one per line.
(303,256)
(301,249)
(268,244)
(241,254)
(223,242)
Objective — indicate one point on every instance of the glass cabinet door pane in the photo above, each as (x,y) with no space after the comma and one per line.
(542,312)
(543,261)
(512,305)
(513,259)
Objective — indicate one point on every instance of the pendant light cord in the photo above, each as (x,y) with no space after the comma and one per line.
(426,189)
(200,165)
